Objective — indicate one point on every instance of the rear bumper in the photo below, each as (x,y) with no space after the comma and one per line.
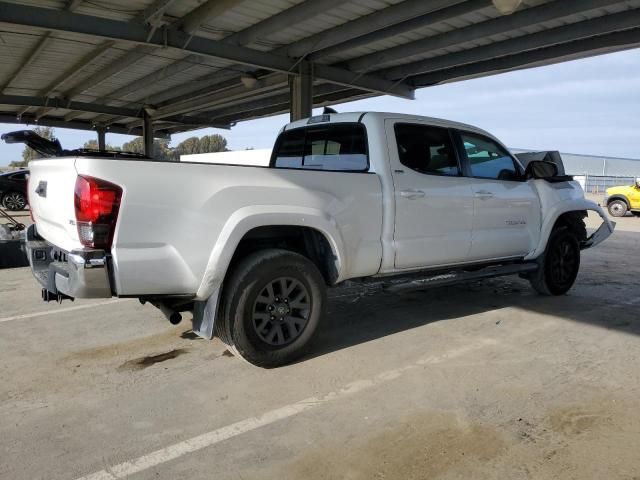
(77,274)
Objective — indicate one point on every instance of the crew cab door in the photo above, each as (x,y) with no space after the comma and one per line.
(506,220)
(433,201)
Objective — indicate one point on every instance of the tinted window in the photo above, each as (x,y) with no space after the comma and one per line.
(426,149)
(19,176)
(487,159)
(328,147)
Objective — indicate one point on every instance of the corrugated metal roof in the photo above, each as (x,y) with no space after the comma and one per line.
(161,75)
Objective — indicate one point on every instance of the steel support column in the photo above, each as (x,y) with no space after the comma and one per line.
(102,133)
(301,92)
(147,134)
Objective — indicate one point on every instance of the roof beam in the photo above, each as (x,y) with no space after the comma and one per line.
(76,124)
(437,11)
(153,11)
(331,98)
(204,13)
(172,38)
(568,51)
(264,87)
(250,34)
(277,99)
(420,21)
(568,33)
(72,71)
(56,103)
(42,43)
(397,13)
(291,16)
(523,18)
(128,59)
(223,97)
(27,60)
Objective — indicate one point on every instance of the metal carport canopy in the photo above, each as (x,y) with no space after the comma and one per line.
(178,65)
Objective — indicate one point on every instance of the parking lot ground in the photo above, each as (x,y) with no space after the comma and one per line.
(484,380)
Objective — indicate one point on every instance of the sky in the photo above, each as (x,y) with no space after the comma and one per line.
(589,106)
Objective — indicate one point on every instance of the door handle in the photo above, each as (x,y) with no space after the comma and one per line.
(484,194)
(412,194)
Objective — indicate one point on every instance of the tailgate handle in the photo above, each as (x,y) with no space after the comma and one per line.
(41,189)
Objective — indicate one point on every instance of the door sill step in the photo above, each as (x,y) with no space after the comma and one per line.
(459,276)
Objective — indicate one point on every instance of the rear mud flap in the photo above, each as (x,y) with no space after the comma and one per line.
(204,316)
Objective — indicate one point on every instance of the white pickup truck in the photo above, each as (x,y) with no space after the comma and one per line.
(251,250)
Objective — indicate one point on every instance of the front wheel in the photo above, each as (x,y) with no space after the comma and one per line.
(617,208)
(273,304)
(14,201)
(559,265)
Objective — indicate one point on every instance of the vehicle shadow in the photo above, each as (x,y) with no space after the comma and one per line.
(358,315)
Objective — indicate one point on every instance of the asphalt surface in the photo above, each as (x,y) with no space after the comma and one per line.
(484,380)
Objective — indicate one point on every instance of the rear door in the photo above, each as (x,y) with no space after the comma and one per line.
(506,220)
(434,203)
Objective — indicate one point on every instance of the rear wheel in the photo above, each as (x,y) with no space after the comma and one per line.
(617,208)
(559,265)
(273,304)
(14,201)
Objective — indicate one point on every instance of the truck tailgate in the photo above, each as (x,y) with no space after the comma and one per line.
(51,196)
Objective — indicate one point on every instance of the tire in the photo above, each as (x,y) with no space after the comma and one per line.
(617,208)
(272,305)
(559,265)
(14,201)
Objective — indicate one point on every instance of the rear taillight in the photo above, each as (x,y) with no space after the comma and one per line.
(97,203)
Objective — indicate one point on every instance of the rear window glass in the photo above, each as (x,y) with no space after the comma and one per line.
(341,147)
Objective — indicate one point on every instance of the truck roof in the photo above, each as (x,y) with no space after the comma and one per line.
(349,117)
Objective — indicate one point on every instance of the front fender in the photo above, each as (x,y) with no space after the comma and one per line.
(572,205)
(247,218)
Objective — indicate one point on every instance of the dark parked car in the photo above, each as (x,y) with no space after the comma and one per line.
(13,190)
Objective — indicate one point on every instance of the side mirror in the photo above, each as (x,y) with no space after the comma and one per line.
(538,169)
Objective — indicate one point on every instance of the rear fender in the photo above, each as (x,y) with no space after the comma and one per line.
(572,205)
(238,225)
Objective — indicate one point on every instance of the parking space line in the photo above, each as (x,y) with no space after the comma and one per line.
(213,437)
(61,310)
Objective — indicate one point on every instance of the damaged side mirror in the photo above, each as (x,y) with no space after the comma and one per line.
(539,169)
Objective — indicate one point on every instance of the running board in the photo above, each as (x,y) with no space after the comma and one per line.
(454,277)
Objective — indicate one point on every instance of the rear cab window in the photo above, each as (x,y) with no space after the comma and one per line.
(331,147)
(426,149)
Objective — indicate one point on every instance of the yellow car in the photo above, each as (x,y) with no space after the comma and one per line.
(620,200)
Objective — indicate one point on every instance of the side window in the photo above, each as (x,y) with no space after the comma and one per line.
(19,176)
(337,147)
(487,159)
(426,149)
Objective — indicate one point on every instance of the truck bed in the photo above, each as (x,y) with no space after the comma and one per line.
(173,216)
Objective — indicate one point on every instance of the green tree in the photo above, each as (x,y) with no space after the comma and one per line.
(29,154)
(212,143)
(93,145)
(206,144)
(161,149)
